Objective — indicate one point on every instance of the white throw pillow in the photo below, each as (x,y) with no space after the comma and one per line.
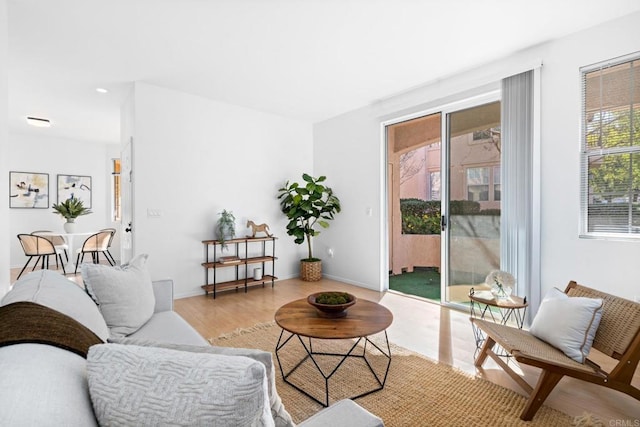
(568,323)
(124,294)
(280,415)
(133,385)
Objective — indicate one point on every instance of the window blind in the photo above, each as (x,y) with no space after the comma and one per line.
(610,149)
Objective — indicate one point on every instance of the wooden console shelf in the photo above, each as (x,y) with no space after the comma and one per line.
(246,256)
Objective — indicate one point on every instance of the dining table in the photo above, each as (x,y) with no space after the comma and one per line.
(70,238)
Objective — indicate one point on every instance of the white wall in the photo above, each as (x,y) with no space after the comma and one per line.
(357,239)
(4,149)
(55,156)
(347,151)
(194,157)
(608,265)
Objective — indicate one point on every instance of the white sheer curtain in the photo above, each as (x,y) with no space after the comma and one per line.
(520,222)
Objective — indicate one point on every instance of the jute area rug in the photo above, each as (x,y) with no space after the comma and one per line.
(418,391)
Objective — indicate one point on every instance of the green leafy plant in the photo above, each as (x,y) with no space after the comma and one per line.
(71,209)
(423,216)
(307,206)
(333,298)
(226,227)
(420,216)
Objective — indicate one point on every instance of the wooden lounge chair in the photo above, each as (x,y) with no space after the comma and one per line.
(618,336)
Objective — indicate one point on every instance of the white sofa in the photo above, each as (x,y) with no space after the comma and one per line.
(41,384)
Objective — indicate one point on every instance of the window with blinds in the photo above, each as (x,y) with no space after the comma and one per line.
(610,149)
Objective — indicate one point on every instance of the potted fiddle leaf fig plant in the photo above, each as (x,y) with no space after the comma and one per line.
(70,209)
(308,206)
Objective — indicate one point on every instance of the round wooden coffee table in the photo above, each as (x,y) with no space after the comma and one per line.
(301,323)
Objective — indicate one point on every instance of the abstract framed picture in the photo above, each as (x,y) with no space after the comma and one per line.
(75,186)
(28,190)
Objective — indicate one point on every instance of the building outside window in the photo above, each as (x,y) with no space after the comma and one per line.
(483,183)
(496,183)
(478,184)
(434,185)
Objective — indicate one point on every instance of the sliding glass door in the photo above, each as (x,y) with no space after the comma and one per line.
(444,195)
(471,208)
(414,187)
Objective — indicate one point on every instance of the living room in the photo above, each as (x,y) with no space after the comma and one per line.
(194,157)
(279,149)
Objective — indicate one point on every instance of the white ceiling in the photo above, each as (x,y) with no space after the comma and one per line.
(309,60)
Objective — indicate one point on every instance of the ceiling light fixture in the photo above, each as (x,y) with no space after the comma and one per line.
(101,90)
(39,122)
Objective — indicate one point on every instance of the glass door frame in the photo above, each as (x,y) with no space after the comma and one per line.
(445,181)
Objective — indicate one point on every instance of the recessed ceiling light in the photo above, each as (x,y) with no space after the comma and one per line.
(101,90)
(39,122)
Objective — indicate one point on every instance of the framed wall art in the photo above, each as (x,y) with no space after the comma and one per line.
(78,186)
(28,190)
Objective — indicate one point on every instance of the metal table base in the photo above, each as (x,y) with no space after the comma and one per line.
(283,340)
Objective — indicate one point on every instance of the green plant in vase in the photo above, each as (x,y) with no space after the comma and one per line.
(70,209)
(226,227)
(308,206)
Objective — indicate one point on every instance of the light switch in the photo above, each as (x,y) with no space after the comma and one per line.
(154,213)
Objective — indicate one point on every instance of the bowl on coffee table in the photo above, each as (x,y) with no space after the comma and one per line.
(331,304)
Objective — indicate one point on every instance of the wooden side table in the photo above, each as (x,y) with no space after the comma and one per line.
(303,324)
(511,309)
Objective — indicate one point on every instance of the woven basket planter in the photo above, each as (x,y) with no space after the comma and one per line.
(311,271)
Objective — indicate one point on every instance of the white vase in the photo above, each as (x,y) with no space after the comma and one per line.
(501,291)
(69,227)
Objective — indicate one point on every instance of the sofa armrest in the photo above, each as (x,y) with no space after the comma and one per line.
(163,292)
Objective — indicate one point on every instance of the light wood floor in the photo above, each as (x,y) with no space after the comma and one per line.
(439,333)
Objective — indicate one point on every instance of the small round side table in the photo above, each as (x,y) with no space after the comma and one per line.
(483,305)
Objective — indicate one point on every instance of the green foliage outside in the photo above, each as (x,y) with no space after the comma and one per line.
(420,216)
(614,176)
(423,216)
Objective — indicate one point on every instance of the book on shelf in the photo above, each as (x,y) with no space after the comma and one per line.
(232,259)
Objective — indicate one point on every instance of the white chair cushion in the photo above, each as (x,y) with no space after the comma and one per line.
(168,327)
(568,323)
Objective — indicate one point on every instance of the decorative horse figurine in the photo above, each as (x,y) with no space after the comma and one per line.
(257,228)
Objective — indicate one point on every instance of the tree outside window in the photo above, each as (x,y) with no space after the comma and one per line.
(611,149)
